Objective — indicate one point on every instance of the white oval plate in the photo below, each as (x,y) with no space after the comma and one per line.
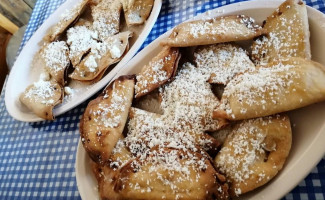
(23,75)
(308,123)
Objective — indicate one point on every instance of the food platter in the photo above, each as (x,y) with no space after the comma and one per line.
(23,74)
(307,123)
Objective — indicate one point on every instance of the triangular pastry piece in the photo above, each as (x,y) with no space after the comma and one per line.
(66,19)
(106,16)
(287,34)
(212,31)
(101,56)
(159,70)
(254,152)
(41,97)
(222,61)
(104,119)
(278,87)
(136,12)
(55,57)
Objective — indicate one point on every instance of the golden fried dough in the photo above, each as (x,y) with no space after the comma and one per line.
(101,56)
(104,119)
(278,87)
(222,61)
(159,70)
(106,16)
(137,11)
(287,34)
(164,173)
(55,57)
(212,31)
(41,97)
(254,152)
(66,19)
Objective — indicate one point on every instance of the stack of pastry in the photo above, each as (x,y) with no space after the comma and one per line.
(90,37)
(209,125)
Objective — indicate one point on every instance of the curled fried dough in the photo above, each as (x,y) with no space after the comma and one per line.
(159,70)
(254,152)
(66,20)
(106,16)
(287,34)
(280,86)
(41,97)
(55,57)
(212,31)
(101,57)
(104,119)
(136,12)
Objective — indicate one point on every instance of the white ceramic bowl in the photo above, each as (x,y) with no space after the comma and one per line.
(308,123)
(23,74)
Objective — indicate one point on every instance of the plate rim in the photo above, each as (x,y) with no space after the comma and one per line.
(17,114)
(315,148)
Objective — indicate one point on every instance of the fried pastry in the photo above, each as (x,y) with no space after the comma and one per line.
(222,61)
(66,19)
(159,70)
(278,87)
(41,97)
(106,16)
(104,119)
(55,57)
(190,100)
(164,173)
(212,31)
(178,175)
(287,34)
(148,126)
(254,152)
(101,56)
(136,12)
(80,40)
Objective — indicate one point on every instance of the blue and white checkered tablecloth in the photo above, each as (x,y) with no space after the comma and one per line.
(37,159)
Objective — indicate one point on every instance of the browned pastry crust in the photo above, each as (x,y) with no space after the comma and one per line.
(136,12)
(212,31)
(159,70)
(151,178)
(104,119)
(100,58)
(41,97)
(55,58)
(106,16)
(223,61)
(278,87)
(66,20)
(287,34)
(153,122)
(254,152)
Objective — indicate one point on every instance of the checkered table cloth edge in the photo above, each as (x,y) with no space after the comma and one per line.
(37,159)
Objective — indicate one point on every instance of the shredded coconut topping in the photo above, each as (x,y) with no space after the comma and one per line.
(55,56)
(188,103)
(225,60)
(264,83)
(243,148)
(43,91)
